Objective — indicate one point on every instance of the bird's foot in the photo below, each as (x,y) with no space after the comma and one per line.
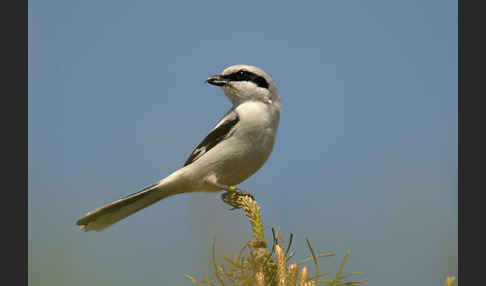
(233,196)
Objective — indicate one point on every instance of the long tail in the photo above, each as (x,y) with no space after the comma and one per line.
(111,213)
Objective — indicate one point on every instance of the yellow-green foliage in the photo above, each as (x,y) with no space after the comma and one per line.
(260,266)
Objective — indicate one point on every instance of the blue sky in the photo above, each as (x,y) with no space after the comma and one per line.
(365,158)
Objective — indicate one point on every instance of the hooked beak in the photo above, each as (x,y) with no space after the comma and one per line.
(217,80)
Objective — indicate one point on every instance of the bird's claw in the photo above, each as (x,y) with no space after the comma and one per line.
(233,196)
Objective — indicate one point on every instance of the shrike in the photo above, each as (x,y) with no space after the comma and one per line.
(233,150)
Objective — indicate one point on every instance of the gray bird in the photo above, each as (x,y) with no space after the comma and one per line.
(234,149)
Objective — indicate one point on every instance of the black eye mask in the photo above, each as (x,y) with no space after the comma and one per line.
(243,75)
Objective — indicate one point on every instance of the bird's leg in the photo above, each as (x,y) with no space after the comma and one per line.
(231,195)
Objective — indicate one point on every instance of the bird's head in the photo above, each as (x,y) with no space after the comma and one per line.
(244,82)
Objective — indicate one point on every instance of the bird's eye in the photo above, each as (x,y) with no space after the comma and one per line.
(244,75)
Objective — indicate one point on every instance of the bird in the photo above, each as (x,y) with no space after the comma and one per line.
(235,148)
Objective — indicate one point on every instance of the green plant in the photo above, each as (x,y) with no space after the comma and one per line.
(260,266)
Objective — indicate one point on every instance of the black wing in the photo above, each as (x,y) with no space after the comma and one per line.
(218,134)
